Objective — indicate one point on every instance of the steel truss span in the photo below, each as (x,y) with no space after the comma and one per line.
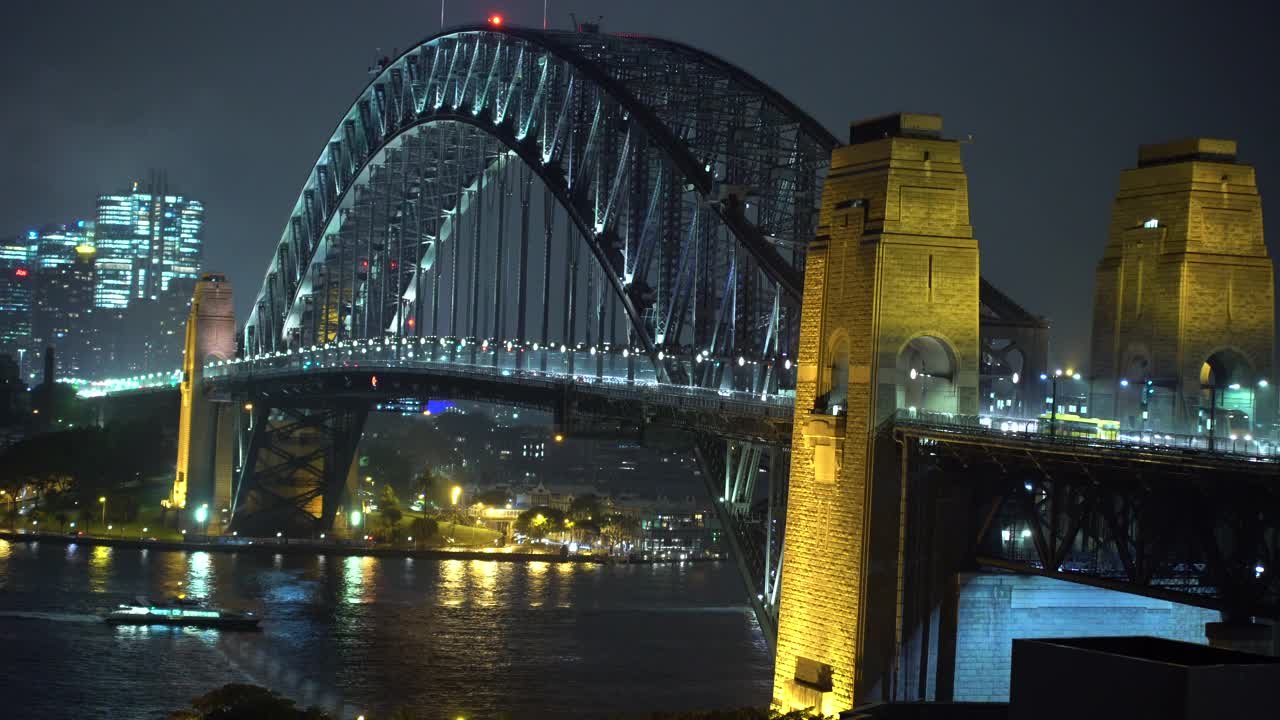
(684,192)
(619,199)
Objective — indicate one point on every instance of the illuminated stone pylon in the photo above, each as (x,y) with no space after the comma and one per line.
(205,430)
(1184,300)
(890,321)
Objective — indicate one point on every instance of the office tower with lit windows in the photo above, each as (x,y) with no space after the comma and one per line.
(62,307)
(57,244)
(16,280)
(146,238)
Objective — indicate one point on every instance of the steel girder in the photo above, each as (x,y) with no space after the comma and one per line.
(293,467)
(1202,532)
(753,523)
(693,186)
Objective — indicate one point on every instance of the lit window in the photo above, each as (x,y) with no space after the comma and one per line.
(1152,223)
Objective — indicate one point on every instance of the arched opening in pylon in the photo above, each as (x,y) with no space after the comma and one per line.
(926,375)
(1227,386)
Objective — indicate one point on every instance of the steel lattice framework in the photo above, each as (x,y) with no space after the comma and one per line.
(678,194)
(693,186)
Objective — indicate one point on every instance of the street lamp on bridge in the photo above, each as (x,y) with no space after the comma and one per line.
(1058,374)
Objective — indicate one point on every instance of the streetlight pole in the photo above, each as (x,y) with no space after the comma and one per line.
(102,500)
(1053,410)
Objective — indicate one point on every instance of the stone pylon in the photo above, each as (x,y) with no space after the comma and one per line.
(1184,298)
(206,428)
(889,323)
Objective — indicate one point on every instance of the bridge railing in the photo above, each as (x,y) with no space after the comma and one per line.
(1040,430)
(612,374)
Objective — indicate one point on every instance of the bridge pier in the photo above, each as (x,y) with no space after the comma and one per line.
(890,319)
(296,467)
(201,482)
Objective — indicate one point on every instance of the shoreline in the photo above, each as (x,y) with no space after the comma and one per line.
(273,546)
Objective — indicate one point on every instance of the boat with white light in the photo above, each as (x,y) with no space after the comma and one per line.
(181,612)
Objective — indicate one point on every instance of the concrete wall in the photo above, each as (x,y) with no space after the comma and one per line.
(995,609)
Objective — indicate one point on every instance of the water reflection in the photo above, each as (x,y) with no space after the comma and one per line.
(484,590)
(199,570)
(357,579)
(537,582)
(170,573)
(452,583)
(471,638)
(99,568)
(564,583)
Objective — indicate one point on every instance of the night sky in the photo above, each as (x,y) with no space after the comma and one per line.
(237,99)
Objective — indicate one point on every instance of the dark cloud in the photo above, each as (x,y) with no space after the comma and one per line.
(237,98)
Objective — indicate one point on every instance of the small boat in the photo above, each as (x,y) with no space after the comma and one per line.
(180,612)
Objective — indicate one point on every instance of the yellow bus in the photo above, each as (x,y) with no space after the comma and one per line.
(1081,427)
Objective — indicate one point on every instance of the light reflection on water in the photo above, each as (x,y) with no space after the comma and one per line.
(199,569)
(451,637)
(99,567)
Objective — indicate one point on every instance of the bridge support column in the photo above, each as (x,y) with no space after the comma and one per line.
(296,469)
(890,320)
(203,425)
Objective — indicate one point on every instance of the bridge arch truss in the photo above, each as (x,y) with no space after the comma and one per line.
(691,187)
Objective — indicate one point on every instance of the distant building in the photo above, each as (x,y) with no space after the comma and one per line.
(62,307)
(16,279)
(146,239)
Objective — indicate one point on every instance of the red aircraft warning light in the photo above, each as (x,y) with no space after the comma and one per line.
(495,20)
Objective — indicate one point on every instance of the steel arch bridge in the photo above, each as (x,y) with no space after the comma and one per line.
(613,229)
(634,203)
(693,186)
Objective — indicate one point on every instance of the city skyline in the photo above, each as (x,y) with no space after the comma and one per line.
(109,294)
(1051,133)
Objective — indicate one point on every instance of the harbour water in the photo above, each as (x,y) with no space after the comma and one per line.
(448,638)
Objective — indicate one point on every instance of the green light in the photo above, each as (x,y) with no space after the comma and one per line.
(202,513)
(355,518)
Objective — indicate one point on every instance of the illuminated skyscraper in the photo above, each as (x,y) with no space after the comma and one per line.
(62,308)
(16,279)
(145,238)
(56,245)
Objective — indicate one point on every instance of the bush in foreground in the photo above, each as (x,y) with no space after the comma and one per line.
(238,701)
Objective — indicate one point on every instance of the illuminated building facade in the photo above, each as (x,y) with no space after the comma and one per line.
(16,280)
(146,239)
(62,307)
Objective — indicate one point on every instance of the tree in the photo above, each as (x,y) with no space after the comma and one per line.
(434,487)
(617,528)
(389,507)
(538,522)
(424,528)
(238,701)
(585,507)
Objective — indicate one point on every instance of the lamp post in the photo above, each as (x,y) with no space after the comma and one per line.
(102,500)
(202,518)
(13,506)
(1053,410)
